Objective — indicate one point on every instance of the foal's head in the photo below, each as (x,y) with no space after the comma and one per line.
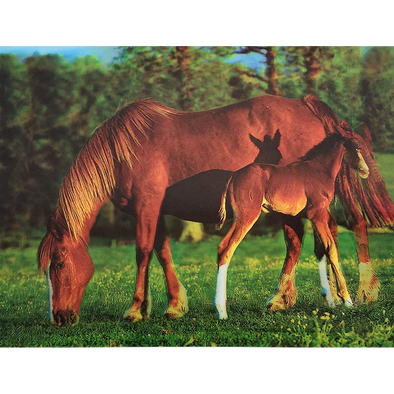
(353,144)
(269,152)
(69,269)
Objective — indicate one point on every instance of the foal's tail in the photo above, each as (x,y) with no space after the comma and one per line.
(222,210)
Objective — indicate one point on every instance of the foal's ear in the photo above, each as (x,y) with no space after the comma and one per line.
(345,126)
(54,229)
(276,139)
(366,136)
(259,144)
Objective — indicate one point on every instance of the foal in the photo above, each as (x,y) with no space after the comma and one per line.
(304,188)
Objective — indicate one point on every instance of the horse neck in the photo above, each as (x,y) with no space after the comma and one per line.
(331,160)
(90,218)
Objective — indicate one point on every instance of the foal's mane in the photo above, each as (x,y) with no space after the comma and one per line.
(321,148)
(91,177)
(370,196)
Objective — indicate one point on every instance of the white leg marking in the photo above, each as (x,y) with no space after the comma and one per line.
(325,286)
(221,291)
(348,302)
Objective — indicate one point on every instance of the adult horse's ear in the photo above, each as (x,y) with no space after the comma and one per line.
(54,229)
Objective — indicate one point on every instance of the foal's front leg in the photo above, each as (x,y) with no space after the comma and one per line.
(320,221)
(328,281)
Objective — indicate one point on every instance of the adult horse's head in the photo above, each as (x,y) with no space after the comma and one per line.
(69,269)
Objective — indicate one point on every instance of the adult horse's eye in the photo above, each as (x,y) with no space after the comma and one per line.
(59,266)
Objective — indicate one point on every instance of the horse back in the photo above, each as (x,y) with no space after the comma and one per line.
(192,142)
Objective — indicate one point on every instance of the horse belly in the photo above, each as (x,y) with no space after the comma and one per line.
(288,202)
(197,198)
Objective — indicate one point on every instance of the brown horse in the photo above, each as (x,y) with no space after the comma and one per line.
(304,189)
(144,149)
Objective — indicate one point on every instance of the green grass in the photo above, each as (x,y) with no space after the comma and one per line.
(253,275)
(386,163)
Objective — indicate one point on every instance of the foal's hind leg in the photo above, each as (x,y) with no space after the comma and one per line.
(245,218)
(286,293)
(177,299)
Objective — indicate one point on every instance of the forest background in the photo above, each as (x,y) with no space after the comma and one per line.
(49,106)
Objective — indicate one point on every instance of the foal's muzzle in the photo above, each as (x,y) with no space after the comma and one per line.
(64,318)
(362,168)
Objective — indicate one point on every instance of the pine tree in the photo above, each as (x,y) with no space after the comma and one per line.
(377,83)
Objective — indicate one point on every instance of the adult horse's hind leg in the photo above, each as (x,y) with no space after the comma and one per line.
(369,286)
(177,299)
(286,292)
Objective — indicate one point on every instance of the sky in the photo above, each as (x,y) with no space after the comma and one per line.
(105,53)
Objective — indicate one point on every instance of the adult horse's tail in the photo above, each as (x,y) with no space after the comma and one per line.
(369,196)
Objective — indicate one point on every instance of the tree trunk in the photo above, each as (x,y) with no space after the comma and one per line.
(192,231)
(272,75)
(312,66)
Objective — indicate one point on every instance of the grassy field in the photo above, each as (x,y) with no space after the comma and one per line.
(252,278)
(253,275)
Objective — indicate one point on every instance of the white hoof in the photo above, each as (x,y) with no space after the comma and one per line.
(349,303)
(222,313)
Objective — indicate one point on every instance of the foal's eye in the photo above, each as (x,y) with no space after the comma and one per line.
(59,266)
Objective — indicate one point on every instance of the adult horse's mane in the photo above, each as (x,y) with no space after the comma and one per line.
(369,196)
(91,177)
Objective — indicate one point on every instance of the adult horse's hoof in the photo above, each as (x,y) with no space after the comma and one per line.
(368,290)
(281,301)
(133,317)
(172,313)
(178,308)
(176,312)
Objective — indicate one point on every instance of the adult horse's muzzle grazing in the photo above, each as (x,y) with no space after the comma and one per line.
(69,269)
(68,277)
(65,303)
(63,318)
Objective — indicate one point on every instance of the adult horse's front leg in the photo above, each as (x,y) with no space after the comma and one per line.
(177,298)
(286,292)
(147,214)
